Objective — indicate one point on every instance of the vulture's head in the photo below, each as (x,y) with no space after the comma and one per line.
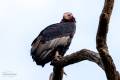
(68,17)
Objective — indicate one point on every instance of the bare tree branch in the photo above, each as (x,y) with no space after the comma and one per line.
(78,56)
(57,74)
(101,44)
(81,55)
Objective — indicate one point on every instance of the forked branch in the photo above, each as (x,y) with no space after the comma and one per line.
(102,59)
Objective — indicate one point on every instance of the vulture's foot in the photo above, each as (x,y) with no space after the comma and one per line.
(57,59)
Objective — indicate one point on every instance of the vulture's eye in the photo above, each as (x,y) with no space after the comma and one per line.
(69,15)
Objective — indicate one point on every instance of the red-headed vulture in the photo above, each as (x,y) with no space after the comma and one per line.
(54,39)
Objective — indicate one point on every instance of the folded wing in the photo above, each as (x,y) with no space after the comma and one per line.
(56,37)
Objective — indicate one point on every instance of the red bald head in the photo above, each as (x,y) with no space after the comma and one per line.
(68,17)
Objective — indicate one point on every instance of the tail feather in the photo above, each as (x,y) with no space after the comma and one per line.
(43,58)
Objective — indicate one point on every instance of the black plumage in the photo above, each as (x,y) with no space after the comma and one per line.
(55,38)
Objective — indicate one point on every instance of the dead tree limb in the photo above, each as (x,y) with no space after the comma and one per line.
(78,56)
(110,69)
(81,55)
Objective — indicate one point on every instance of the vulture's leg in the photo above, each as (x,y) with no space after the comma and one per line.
(58,56)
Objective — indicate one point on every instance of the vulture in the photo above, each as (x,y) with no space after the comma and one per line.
(54,40)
